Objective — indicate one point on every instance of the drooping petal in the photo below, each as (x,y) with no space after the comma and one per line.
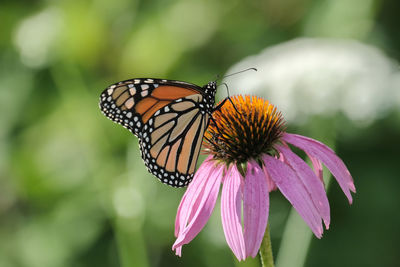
(293,189)
(231,201)
(197,204)
(271,184)
(186,206)
(317,165)
(255,208)
(328,157)
(178,251)
(311,182)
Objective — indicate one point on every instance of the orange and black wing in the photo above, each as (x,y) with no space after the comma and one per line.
(169,119)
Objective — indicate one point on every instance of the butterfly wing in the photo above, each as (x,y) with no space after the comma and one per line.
(132,102)
(169,119)
(172,139)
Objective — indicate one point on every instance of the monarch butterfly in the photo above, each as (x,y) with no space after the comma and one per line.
(169,118)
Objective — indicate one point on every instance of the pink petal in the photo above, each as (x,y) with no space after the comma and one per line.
(311,182)
(185,209)
(328,157)
(197,204)
(231,200)
(271,185)
(293,189)
(178,251)
(317,167)
(255,208)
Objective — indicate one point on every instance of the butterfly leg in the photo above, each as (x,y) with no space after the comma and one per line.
(215,123)
(223,102)
(220,105)
(217,108)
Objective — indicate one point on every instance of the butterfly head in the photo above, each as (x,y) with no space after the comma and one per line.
(211,86)
(209,91)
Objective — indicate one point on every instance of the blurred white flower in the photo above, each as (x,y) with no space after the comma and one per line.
(35,36)
(306,77)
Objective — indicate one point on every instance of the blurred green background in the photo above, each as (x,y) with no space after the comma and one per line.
(73,188)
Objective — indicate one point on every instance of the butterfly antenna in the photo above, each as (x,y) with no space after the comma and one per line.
(231,74)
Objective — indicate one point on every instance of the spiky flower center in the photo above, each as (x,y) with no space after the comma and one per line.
(243,131)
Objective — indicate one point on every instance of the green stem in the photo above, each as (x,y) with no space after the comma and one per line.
(130,243)
(267,259)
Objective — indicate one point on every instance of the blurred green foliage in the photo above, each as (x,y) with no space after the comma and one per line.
(73,189)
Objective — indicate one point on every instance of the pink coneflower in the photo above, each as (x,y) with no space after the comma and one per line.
(249,154)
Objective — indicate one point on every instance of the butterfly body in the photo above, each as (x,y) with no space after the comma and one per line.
(169,118)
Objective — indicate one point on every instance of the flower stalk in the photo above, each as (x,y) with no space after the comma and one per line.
(266,257)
